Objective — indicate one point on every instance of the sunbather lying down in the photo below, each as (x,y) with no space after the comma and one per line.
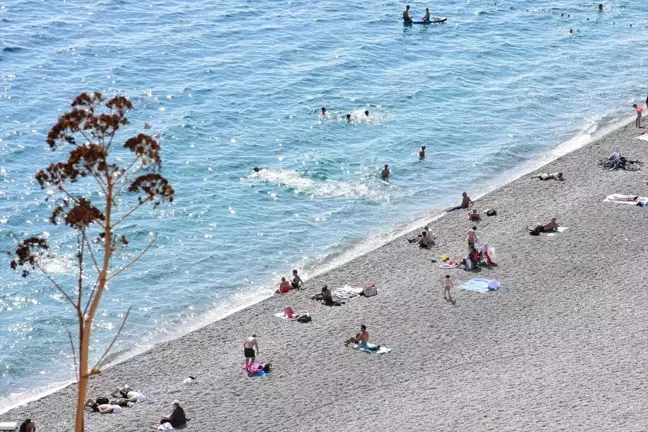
(548,226)
(623,198)
(102,408)
(546,176)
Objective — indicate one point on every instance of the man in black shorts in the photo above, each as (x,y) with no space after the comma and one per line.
(248,350)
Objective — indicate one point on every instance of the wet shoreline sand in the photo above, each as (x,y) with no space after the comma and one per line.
(560,347)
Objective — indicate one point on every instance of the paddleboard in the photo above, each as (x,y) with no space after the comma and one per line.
(441,21)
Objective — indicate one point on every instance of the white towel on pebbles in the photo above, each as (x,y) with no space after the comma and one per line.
(347,292)
(381,350)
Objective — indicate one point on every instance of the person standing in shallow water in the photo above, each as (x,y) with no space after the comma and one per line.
(384,174)
(422,152)
(406,17)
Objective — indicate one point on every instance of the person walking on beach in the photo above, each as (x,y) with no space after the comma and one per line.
(447,285)
(384,174)
(639,111)
(406,17)
(422,153)
(471,237)
(248,350)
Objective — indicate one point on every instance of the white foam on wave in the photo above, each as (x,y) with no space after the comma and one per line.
(325,189)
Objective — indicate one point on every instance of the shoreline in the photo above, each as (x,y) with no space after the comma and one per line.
(350,254)
(356,271)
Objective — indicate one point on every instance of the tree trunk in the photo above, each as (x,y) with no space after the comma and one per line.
(82,384)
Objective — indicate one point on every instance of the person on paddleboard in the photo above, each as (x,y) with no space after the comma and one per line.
(426,17)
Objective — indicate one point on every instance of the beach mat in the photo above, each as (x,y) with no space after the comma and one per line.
(479,285)
(381,350)
(615,199)
(283,316)
(642,137)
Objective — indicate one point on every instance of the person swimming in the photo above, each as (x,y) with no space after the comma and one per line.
(324,113)
(406,17)
(422,152)
(384,174)
(367,113)
(348,118)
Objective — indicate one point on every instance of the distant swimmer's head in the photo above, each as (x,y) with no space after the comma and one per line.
(422,147)
(634,106)
(600,7)
(323,110)
(348,117)
(571,31)
(407,7)
(367,113)
(386,166)
(257,169)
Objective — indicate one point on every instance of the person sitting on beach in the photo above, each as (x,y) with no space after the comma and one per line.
(466,203)
(473,256)
(361,339)
(546,176)
(249,345)
(406,17)
(548,226)
(284,286)
(474,216)
(27,426)
(384,174)
(421,153)
(418,237)
(296,281)
(327,297)
(425,240)
(471,237)
(177,418)
(102,408)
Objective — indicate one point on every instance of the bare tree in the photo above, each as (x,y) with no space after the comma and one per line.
(91,170)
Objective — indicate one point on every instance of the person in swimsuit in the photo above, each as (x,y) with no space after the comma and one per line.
(249,345)
(27,426)
(425,241)
(348,117)
(551,225)
(466,203)
(366,113)
(327,297)
(639,111)
(471,237)
(422,153)
(103,408)
(384,174)
(447,285)
(360,339)
(426,17)
(406,16)
(296,281)
(546,176)
(284,287)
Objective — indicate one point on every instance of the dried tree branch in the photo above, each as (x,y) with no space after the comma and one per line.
(134,259)
(140,204)
(94,259)
(80,246)
(92,372)
(132,175)
(76,366)
(56,285)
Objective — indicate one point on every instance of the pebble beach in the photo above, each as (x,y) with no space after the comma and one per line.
(561,346)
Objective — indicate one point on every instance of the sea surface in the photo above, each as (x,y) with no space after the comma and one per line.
(230,85)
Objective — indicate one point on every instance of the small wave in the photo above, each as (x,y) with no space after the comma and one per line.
(12,49)
(330,189)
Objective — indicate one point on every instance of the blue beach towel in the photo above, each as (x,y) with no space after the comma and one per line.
(479,285)
(370,348)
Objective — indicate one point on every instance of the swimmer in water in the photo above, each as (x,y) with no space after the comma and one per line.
(384,174)
(571,32)
(324,113)
(348,117)
(406,17)
(367,113)
(422,152)
(257,169)
(426,17)
(600,7)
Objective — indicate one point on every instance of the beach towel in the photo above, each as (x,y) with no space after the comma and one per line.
(559,230)
(621,199)
(449,265)
(370,349)
(282,315)
(346,293)
(642,137)
(165,426)
(479,285)
(8,426)
(256,370)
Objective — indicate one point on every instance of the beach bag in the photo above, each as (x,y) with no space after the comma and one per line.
(102,400)
(370,291)
(491,212)
(304,318)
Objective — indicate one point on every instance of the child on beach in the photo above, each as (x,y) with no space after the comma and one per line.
(639,111)
(447,284)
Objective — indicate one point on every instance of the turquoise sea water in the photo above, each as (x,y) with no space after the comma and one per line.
(233,85)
